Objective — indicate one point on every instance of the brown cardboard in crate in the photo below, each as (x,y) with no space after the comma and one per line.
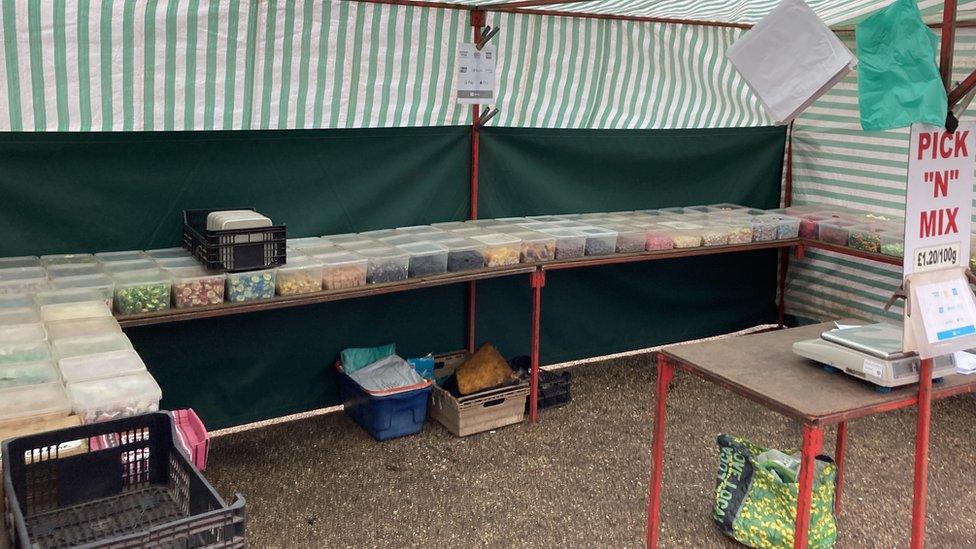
(478,412)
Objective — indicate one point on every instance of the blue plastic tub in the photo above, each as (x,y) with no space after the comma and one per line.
(385,417)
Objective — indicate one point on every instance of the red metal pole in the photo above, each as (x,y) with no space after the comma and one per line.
(812,444)
(477,22)
(840,459)
(922,453)
(948,43)
(537,279)
(665,373)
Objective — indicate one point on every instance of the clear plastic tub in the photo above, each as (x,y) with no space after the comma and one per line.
(866,238)
(599,241)
(893,244)
(464,254)
(536,246)
(33,402)
(361,245)
(167,253)
(715,234)
(835,231)
(301,275)
(82,328)
(28,351)
(438,237)
(740,230)
(103,365)
(417,230)
(197,287)
(378,234)
(312,251)
(696,210)
(725,207)
(133,265)
(21,315)
(104,399)
(500,250)
(658,238)
(399,239)
(102,284)
(765,228)
(76,310)
(304,242)
(178,262)
(340,238)
(142,291)
(630,239)
(250,285)
(27,373)
(342,270)
(386,265)
(22,280)
(426,258)
(449,225)
(22,333)
(469,232)
(16,301)
(570,243)
(19,262)
(71,295)
(112,257)
(75,269)
(66,259)
(98,345)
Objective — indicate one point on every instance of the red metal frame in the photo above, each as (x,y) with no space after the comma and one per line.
(812,444)
(537,280)
(840,460)
(948,40)
(665,373)
(477,23)
(922,453)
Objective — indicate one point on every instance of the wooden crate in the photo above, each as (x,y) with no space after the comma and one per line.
(481,411)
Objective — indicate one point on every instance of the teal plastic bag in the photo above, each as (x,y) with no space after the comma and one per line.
(356,358)
(898,80)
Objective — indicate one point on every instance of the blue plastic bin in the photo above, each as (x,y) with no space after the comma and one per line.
(385,417)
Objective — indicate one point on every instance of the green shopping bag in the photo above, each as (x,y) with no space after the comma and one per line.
(756,507)
(898,82)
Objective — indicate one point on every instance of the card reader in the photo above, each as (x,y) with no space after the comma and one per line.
(872,353)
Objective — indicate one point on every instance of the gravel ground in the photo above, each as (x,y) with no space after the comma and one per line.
(579,478)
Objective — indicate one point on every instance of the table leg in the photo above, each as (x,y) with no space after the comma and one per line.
(812,444)
(922,453)
(472,295)
(537,280)
(665,372)
(840,460)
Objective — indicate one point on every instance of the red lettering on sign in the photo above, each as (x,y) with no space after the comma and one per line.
(924,142)
(951,227)
(927,224)
(945,152)
(941,186)
(961,147)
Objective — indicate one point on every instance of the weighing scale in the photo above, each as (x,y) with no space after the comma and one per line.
(872,353)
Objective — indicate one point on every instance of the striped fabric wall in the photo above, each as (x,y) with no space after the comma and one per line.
(836,163)
(109,65)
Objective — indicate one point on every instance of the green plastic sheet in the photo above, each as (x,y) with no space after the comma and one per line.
(898,80)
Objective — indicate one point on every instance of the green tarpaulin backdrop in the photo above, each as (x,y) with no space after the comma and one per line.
(99,192)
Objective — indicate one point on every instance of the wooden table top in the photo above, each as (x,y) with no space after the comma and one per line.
(763,368)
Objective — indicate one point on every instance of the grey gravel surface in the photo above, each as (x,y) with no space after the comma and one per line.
(579,478)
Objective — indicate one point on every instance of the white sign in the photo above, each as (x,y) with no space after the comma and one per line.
(476,74)
(939,197)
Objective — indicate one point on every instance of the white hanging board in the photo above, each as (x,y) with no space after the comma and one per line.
(475,76)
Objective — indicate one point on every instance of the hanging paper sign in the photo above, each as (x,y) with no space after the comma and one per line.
(475,74)
(939,197)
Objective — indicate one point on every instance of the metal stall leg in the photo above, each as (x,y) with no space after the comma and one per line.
(472,315)
(812,444)
(922,453)
(840,460)
(665,372)
(537,279)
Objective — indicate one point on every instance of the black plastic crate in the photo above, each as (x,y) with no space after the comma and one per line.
(233,250)
(139,491)
(553,389)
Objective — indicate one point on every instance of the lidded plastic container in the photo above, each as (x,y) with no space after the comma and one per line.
(111,257)
(398,239)
(104,365)
(70,295)
(500,250)
(142,291)
(76,310)
(27,373)
(715,234)
(469,231)
(28,351)
(866,238)
(740,228)
(835,231)
(386,264)
(197,287)
(304,242)
(20,280)
(417,230)
(765,228)
(658,238)
(570,242)
(33,402)
(66,259)
(464,254)
(178,262)
(20,315)
(695,210)
(19,262)
(75,269)
(82,327)
(16,301)
(449,225)
(102,284)
(167,253)
(324,248)
(250,285)
(725,207)
(536,246)
(893,243)
(337,239)
(301,275)
(360,245)
(341,270)
(378,233)
(104,399)
(426,258)
(630,239)
(225,220)
(96,345)
(599,241)
(132,265)
(22,333)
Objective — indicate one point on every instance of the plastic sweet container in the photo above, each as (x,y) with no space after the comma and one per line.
(810,222)
(426,258)
(304,242)
(469,231)
(438,237)
(835,231)
(866,238)
(765,228)
(630,239)
(18,262)
(417,230)
(386,264)
(22,333)
(725,207)
(398,239)
(250,285)
(715,234)
(449,225)
(197,287)
(500,250)
(71,347)
(893,244)
(378,234)
(570,243)
(325,248)
(178,262)
(75,269)
(20,315)
(340,238)
(363,244)
(658,238)
(27,373)
(300,275)
(167,253)
(112,257)
(33,403)
(464,254)
(599,241)
(21,280)
(110,398)
(104,365)
(341,270)
(740,229)
(101,284)
(695,210)
(75,310)
(142,291)
(82,328)
(66,259)
(29,351)
(536,246)
(132,265)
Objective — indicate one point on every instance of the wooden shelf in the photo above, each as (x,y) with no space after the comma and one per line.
(591,261)
(880,258)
